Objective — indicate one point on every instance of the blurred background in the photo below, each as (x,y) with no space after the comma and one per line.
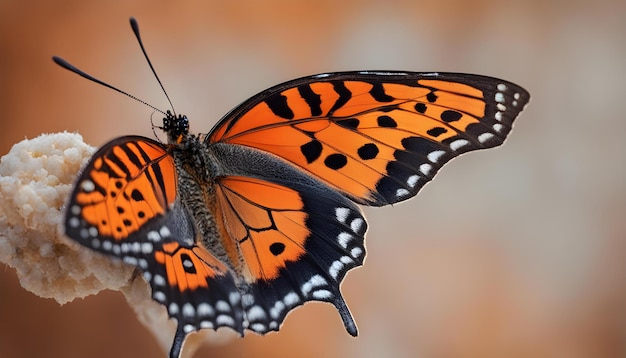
(512,252)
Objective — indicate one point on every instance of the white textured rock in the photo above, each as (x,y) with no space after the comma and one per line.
(36,178)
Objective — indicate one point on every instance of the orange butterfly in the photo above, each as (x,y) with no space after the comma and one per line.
(238,227)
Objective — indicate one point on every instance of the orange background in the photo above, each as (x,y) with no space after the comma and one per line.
(512,252)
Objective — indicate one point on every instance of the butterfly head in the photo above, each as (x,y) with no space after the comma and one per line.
(176,127)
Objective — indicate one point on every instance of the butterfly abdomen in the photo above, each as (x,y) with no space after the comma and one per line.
(196,192)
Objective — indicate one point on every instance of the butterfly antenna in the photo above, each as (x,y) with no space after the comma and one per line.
(68,66)
(135,26)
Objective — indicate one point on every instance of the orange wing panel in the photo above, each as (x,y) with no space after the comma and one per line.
(267,222)
(128,183)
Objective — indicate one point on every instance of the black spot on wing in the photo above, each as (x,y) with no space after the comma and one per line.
(279,106)
(137,195)
(311,150)
(419,145)
(386,122)
(368,151)
(420,108)
(431,97)
(450,116)
(312,99)
(436,131)
(336,161)
(277,248)
(378,93)
(344,95)
(351,123)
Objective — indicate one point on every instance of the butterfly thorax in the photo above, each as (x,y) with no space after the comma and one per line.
(196,192)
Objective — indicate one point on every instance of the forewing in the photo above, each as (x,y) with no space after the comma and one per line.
(377,137)
(125,205)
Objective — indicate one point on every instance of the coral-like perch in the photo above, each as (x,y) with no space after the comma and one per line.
(36,176)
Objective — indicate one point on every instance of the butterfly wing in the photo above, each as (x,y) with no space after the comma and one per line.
(377,137)
(296,236)
(125,204)
(287,167)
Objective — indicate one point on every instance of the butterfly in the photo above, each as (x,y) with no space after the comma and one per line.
(238,227)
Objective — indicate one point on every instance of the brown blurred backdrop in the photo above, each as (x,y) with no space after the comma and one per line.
(512,252)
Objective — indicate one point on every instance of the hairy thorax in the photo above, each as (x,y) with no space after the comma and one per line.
(196,192)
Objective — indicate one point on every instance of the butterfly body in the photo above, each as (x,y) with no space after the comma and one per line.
(238,227)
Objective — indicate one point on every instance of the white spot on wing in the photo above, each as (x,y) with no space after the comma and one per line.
(424,169)
(458,144)
(322,294)
(501,87)
(485,137)
(313,282)
(146,248)
(87,185)
(356,225)
(74,222)
(343,239)
(159,280)
(275,311)
(402,192)
(334,269)
(247,300)
(234,298)
(225,320)
(159,296)
(205,309)
(337,266)
(356,252)
(291,299)
(342,214)
(165,231)
(258,327)
(188,310)
(153,236)
(117,250)
(222,306)
(346,260)
(435,155)
(499,97)
(256,313)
